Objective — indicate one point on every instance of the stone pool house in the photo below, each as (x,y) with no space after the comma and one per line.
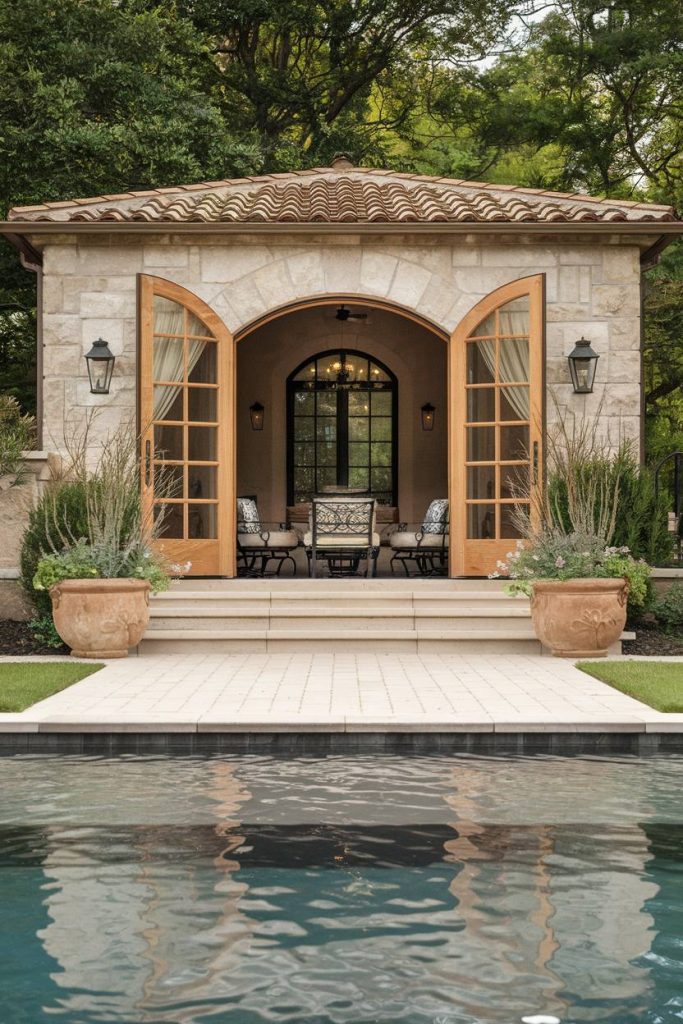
(281,336)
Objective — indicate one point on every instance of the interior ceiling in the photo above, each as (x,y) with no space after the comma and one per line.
(323,318)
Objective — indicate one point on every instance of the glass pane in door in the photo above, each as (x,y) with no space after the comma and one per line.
(185,393)
(497,358)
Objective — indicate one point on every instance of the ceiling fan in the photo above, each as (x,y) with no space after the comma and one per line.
(345,314)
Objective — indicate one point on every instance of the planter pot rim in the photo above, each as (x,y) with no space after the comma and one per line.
(582,584)
(97,585)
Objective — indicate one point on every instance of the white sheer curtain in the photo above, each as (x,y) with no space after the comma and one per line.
(513,358)
(169,318)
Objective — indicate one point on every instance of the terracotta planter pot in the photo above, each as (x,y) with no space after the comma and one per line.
(100,618)
(579,618)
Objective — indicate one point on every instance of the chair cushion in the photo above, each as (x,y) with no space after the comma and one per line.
(341,540)
(248,520)
(436,516)
(404,541)
(276,539)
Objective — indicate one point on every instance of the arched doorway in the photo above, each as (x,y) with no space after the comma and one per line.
(492,406)
(342,427)
(342,409)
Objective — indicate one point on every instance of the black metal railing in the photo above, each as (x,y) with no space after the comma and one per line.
(674,486)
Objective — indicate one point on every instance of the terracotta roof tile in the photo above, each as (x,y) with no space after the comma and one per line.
(343,194)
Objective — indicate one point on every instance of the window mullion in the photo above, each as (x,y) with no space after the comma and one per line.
(342,437)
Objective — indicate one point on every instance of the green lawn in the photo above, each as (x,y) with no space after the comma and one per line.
(23,683)
(657,683)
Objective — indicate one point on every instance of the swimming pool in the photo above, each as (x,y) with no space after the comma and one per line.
(341,890)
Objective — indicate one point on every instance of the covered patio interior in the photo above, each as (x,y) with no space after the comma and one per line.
(344,401)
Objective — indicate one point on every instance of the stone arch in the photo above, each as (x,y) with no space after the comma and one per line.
(254,283)
(334,300)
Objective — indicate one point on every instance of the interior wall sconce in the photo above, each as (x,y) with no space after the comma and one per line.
(100,362)
(256,412)
(427,412)
(583,362)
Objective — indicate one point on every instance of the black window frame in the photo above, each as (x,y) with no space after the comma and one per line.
(342,416)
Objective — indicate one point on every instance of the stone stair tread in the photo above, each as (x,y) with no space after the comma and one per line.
(343,613)
(306,597)
(333,634)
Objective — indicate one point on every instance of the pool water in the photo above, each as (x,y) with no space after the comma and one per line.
(341,890)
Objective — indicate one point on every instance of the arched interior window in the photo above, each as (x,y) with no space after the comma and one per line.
(342,427)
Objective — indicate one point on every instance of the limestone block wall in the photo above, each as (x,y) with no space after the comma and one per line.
(15,504)
(90,290)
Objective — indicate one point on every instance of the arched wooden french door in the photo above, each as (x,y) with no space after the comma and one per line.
(496,386)
(186,421)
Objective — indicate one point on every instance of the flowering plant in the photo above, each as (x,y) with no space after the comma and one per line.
(554,555)
(88,561)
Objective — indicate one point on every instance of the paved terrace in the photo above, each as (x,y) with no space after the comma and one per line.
(340,693)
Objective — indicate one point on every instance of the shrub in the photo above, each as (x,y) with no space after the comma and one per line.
(60,518)
(44,632)
(639,519)
(669,609)
(17,434)
(92,522)
(569,532)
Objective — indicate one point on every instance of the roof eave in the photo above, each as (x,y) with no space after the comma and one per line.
(37,227)
(18,232)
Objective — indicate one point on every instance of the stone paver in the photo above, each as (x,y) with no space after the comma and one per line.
(340,692)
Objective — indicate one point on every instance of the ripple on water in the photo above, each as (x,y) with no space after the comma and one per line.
(341,890)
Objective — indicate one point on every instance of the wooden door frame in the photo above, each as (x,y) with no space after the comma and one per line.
(148,287)
(534,287)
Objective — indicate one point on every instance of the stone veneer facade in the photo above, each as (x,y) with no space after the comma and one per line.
(90,290)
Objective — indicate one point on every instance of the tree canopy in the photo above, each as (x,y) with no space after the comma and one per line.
(104,96)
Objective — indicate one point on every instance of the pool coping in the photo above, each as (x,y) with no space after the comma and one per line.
(595,740)
(166,704)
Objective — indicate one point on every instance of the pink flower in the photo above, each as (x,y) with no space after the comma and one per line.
(560,562)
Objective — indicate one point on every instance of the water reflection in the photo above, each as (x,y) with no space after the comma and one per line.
(554,915)
(235,910)
(141,915)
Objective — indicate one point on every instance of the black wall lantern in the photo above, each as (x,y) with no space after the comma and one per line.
(100,362)
(583,362)
(256,412)
(428,411)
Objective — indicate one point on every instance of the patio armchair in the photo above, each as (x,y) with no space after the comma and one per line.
(342,532)
(258,546)
(425,548)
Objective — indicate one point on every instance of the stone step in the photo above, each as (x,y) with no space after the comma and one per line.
(207,604)
(274,616)
(339,615)
(372,640)
(354,586)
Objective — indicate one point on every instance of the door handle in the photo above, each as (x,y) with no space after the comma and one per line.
(148,463)
(535,464)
